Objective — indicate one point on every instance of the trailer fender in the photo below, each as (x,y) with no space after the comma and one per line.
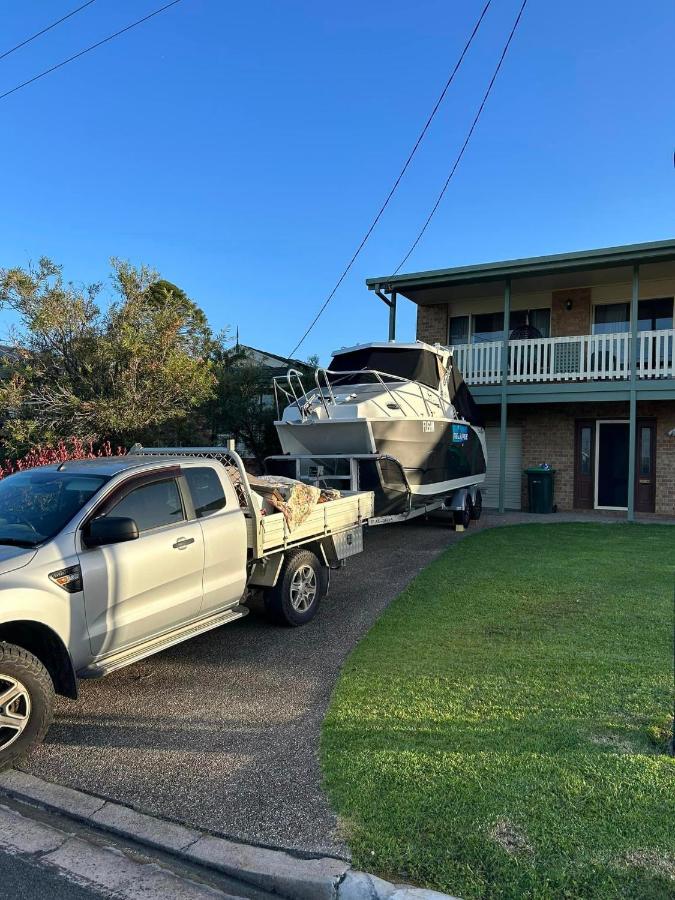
(456,501)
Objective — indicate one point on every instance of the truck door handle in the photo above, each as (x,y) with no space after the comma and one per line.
(182,543)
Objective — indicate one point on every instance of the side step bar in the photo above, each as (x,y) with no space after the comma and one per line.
(106,664)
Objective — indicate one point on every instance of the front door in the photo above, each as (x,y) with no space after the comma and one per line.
(137,590)
(611,465)
(645,467)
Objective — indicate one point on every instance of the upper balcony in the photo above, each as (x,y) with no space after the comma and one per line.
(579,358)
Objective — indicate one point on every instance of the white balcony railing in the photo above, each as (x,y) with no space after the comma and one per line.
(577,358)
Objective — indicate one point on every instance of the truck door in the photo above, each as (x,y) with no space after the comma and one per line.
(139,589)
(224,529)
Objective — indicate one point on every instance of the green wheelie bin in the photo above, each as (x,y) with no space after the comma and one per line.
(540,483)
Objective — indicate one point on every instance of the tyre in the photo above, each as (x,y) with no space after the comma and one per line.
(302,584)
(463,515)
(477,506)
(26,703)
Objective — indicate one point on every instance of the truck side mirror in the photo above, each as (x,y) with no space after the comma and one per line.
(110,530)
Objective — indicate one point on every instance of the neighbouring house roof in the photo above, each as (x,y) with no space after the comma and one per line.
(628,254)
(272,360)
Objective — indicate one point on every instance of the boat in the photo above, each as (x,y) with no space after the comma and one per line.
(394,418)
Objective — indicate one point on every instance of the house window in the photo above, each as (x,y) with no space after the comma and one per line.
(487,327)
(585,447)
(538,319)
(654,315)
(459,330)
(646,450)
(481,327)
(611,318)
(614,318)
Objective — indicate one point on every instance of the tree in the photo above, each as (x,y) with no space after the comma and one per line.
(238,408)
(243,407)
(143,363)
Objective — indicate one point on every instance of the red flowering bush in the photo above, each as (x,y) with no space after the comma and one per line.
(72,448)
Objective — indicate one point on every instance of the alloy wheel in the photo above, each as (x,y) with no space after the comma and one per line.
(15,710)
(303,588)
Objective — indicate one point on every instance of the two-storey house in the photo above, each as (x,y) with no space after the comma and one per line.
(572,359)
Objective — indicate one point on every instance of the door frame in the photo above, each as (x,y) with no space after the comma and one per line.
(598,423)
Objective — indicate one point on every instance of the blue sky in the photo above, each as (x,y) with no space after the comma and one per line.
(242,149)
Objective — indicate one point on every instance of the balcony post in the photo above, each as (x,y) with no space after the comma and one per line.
(392,316)
(504,405)
(632,426)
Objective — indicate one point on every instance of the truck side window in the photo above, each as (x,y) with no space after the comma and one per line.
(207,491)
(151,505)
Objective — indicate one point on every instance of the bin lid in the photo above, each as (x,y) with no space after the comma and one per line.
(537,470)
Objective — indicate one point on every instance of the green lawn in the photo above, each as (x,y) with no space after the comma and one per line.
(501,731)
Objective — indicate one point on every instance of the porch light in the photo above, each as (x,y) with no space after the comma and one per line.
(568,304)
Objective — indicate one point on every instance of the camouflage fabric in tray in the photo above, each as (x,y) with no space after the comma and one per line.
(292,498)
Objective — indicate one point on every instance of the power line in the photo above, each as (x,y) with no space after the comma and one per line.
(465,144)
(88,49)
(45,30)
(398,179)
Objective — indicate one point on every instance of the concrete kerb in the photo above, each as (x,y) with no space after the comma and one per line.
(281,872)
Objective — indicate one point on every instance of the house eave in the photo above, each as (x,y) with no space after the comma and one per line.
(584,260)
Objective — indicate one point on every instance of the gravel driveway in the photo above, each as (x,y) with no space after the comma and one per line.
(222,731)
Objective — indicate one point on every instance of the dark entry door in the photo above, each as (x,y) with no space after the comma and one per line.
(612,489)
(584,464)
(645,466)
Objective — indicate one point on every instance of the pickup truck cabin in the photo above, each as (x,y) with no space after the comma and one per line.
(106,561)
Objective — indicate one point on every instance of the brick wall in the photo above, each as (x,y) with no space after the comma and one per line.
(548,436)
(573,321)
(665,454)
(432,324)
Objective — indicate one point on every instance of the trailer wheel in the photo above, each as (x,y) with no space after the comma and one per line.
(302,584)
(26,702)
(463,516)
(477,506)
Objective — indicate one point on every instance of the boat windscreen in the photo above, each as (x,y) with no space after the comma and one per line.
(412,364)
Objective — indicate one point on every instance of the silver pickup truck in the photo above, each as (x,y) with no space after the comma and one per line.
(106,561)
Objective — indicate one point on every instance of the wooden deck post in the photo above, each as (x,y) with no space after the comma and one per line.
(632,427)
(504,410)
(392,316)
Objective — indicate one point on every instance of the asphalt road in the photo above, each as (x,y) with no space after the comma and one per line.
(222,731)
(22,879)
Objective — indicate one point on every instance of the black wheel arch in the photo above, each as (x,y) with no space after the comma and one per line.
(47,646)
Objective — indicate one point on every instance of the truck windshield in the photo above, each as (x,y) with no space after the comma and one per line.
(37,503)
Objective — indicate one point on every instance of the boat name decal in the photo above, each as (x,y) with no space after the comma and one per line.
(460,434)
(428,426)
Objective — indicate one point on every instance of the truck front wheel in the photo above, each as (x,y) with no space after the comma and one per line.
(302,584)
(26,702)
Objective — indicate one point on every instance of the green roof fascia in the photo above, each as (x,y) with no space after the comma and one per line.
(629,254)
